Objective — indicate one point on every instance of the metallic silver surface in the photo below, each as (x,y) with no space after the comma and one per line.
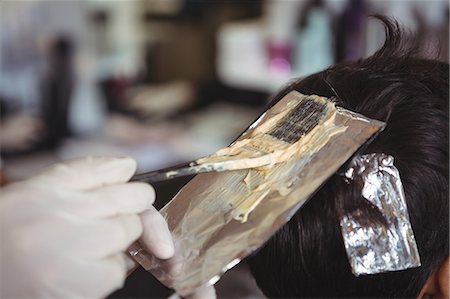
(374,247)
(217,219)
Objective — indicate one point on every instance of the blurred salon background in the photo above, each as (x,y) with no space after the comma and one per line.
(168,81)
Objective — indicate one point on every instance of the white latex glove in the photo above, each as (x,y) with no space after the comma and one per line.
(63,233)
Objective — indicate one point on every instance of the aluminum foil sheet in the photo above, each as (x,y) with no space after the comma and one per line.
(217,219)
(374,247)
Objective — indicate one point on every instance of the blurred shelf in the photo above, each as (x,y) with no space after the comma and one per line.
(242,60)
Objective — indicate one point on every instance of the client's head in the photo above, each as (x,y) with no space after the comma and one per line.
(307,258)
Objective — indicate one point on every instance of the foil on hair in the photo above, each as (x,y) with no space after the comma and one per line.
(374,247)
(219,218)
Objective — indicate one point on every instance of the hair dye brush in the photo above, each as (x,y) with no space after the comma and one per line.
(267,174)
(271,142)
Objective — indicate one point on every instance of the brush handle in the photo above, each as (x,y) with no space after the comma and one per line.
(165,173)
(176,172)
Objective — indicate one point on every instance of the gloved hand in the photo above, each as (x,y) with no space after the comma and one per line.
(63,233)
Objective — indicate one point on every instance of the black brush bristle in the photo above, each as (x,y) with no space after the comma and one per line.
(300,121)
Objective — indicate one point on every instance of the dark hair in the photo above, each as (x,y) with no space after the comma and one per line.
(307,258)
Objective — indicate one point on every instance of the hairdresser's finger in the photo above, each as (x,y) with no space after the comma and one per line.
(173,266)
(130,263)
(110,201)
(156,237)
(88,173)
(100,238)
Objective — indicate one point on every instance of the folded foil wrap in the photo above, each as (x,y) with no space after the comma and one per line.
(217,219)
(374,247)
